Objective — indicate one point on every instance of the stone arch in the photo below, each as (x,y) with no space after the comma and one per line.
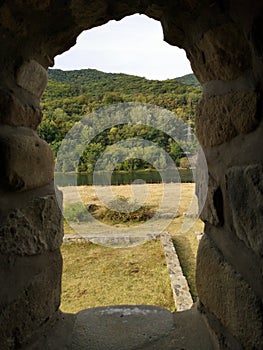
(223,41)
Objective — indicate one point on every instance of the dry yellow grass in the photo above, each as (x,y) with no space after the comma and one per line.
(95,276)
(84,263)
(157,196)
(152,194)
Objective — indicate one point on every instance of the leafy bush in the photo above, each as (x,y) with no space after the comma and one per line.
(184,163)
(76,212)
(125,211)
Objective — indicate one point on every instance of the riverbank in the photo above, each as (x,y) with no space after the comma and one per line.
(124,178)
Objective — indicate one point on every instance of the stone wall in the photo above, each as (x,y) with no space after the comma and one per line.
(223,40)
(31,224)
(229,126)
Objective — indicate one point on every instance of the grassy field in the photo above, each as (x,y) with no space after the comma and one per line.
(95,276)
(136,275)
(151,194)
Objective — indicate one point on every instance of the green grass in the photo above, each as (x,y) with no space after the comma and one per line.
(94,275)
(76,212)
(186,248)
(186,245)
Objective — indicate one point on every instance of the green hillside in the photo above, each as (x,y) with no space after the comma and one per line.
(70,95)
(96,82)
(189,79)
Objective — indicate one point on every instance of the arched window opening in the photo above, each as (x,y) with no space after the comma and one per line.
(106,75)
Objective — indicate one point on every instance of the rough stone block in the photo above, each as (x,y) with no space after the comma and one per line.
(201,176)
(212,211)
(36,4)
(247,205)
(81,9)
(31,230)
(243,111)
(214,58)
(16,113)
(224,339)
(257,34)
(26,161)
(32,77)
(35,305)
(227,295)
(221,118)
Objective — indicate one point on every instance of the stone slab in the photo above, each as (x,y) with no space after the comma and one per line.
(123,327)
(188,333)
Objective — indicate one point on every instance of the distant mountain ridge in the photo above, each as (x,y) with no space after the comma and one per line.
(189,79)
(92,80)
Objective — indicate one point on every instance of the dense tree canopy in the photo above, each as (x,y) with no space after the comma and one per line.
(70,95)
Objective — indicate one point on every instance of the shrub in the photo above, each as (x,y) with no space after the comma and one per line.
(184,163)
(125,211)
(76,212)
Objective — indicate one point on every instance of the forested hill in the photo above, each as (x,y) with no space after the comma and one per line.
(70,95)
(96,82)
(189,79)
(80,92)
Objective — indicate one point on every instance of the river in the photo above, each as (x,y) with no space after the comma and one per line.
(124,178)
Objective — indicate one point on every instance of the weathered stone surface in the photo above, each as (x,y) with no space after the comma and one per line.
(15,113)
(225,294)
(247,204)
(181,293)
(201,179)
(257,34)
(225,340)
(213,58)
(34,307)
(36,4)
(7,20)
(81,9)
(246,83)
(243,111)
(32,77)
(212,211)
(221,118)
(17,271)
(33,229)
(56,337)
(213,125)
(190,332)
(26,161)
(121,327)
